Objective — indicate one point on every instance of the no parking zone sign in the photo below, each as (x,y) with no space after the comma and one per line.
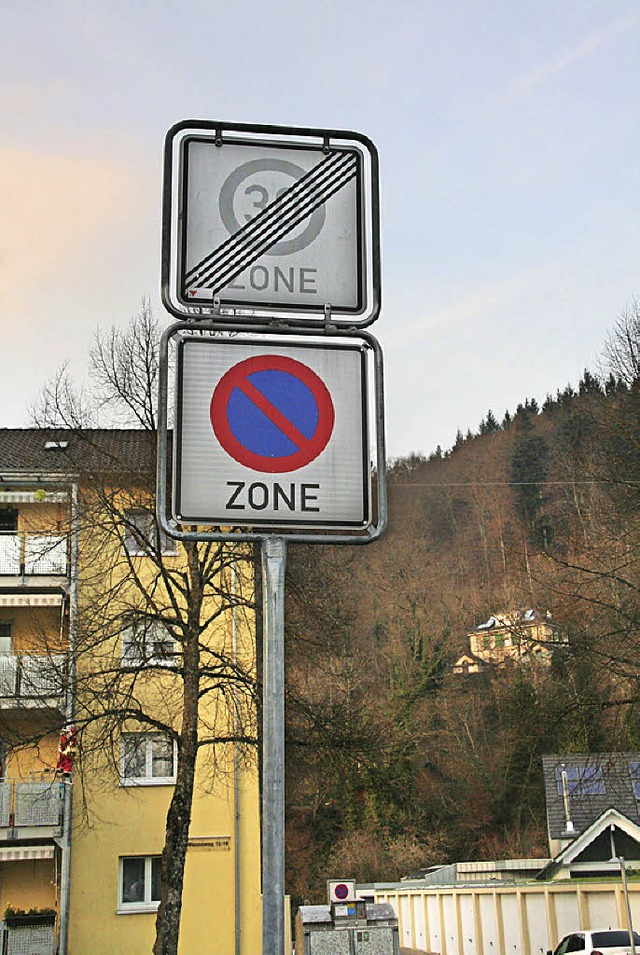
(272,433)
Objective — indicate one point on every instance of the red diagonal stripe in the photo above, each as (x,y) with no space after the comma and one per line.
(273,414)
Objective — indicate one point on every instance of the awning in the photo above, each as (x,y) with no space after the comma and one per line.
(33,497)
(30,600)
(25,853)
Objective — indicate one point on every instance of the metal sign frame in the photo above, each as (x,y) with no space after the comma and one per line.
(183,530)
(356,158)
(267,467)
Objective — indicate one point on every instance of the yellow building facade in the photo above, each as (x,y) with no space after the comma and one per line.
(83,848)
(511,637)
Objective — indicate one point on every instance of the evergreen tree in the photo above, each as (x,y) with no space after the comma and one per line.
(529,470)
(589,384)
(610,385)
(566,397)
(491,422)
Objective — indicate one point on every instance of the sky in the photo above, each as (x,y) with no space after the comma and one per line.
(508,138)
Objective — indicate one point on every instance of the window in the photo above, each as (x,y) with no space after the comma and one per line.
(148,643)
(147,759)
(575,944)
(592,781)
(613,939)
(8,519)
(5,636)
(634,772)
(142,535)
(581,780)
(139,883)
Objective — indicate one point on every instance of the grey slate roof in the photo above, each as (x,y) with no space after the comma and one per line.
(585,808)
(23,450)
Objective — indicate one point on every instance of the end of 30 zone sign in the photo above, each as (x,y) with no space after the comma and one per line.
(264,221)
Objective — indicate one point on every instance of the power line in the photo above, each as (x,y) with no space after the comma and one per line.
(505,483)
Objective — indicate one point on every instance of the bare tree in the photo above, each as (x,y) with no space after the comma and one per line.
(155,649)
(621,352)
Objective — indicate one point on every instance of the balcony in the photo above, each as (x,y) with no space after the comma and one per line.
(30,810)
(27,939)
(31,681)
(33,560)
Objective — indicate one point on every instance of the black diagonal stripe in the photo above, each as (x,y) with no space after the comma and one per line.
(319,183)
(234,269)
(297,187)
(290,197)
(279,224)
(264,231)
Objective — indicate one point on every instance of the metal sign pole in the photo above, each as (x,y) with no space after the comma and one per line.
(274,551)
(625,889)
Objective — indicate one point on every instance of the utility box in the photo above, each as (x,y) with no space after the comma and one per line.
(347,928)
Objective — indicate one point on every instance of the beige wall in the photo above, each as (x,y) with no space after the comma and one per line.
(35,629)
(52,518)
(528,918)
(34,760)
(131,822)
(27,884)
(111,821)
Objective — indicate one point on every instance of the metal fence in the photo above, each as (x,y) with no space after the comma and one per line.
(527,918)
(37,554)
(32,676)
(28,940)
(31,803)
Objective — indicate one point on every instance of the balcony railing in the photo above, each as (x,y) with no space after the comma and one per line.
(27,939)
(30,678)
(30,804)
(41,555)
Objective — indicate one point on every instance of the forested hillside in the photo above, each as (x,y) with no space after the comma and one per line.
(393,761)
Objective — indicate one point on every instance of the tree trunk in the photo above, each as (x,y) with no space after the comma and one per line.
(174,853)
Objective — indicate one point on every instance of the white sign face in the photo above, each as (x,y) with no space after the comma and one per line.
(261,223)
(271,435)
(341,890)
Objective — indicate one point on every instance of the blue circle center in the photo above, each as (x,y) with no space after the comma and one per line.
(256,430)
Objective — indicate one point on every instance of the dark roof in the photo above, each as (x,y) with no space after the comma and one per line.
(607,771)
(61,451)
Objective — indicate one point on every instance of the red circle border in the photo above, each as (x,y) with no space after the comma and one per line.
(259,462)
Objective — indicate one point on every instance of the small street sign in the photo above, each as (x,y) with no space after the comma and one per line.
(341,891)
(267,221)
(272,433)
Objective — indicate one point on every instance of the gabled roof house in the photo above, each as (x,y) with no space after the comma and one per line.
(593,813)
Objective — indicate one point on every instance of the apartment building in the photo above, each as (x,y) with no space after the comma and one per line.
(93,605)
